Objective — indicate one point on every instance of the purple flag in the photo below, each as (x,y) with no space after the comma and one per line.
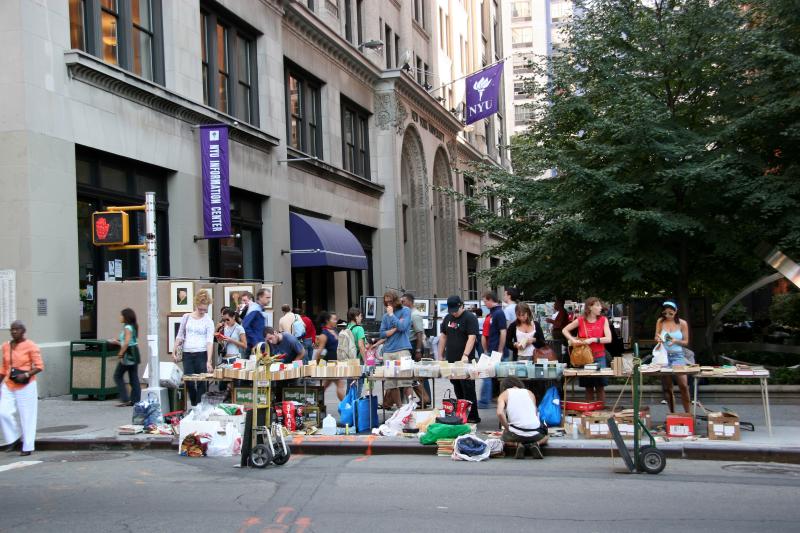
(216,190)
(483,91)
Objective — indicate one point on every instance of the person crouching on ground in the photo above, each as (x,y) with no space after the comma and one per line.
(22,360)
(516,411)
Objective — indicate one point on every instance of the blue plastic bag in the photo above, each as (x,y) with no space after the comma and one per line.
(364,408)
(550,408)
(347,407)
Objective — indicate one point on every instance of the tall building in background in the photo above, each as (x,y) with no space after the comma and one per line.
(341,118)
(535,34)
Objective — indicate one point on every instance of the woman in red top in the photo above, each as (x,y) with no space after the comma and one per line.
(593,330)
(19,388)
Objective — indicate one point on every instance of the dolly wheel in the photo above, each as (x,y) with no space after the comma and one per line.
(282,457)
(260,456)
(651,459)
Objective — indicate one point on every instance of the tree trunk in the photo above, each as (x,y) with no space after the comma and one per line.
(682,287)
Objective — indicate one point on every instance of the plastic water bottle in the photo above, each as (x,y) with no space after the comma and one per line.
(574,430)
(329,425)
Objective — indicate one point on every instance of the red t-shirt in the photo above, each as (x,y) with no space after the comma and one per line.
(311,331)
(487,323)
(590,330)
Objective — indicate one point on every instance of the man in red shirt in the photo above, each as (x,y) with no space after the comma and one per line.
(310,337)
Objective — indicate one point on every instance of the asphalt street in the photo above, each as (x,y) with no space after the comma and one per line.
(160,491)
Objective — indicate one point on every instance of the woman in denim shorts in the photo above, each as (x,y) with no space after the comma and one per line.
(673,332)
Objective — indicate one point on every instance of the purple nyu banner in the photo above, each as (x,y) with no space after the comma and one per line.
(216,190)
(483,91)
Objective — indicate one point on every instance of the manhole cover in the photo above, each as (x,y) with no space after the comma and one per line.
(86,457)
(764,468)
(60,429)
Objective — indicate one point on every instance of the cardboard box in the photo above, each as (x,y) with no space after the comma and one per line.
(304,395)
(313,415)
(624,420)
(680,425)
(595,424)
(723,426)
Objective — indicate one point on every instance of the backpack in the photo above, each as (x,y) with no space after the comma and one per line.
(347,349)
(298,327)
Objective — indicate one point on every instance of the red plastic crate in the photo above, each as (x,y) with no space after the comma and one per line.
(680,425)
(584,406)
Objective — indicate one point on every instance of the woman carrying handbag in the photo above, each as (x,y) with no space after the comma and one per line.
(128,354)
(594,332)
(22,360)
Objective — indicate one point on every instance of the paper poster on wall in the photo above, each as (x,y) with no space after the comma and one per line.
(118,268)
(8,298)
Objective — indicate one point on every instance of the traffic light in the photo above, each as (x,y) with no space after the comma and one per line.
(110,228)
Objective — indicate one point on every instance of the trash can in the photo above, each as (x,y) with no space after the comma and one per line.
(91,369)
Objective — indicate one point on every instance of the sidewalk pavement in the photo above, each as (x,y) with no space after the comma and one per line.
(64,424)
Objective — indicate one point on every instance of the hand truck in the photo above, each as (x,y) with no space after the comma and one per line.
(647,458)
(273,447)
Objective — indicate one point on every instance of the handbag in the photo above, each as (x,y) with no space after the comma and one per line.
(16,375)
(178,350)
(580,355)
(131,356)
(660,356)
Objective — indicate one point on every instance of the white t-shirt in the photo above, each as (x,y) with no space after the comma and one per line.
(233,332)
(523,419)
(198,334)
(527,352)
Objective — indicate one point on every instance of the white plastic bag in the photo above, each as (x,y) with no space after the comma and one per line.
(223,443)
(458,456)
(395,424)
(660,355)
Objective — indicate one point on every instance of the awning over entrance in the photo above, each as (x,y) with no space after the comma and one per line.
(319,243)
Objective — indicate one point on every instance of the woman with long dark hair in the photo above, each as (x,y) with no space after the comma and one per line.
(129,360)
(673,332)
(328,342)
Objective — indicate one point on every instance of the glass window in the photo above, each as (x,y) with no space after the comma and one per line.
(240,258)
(229,67)
(521,8)
(127,33)
(355,139)
(304,114)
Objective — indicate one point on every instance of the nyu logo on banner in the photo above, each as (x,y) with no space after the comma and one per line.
(483,91)
(216,190)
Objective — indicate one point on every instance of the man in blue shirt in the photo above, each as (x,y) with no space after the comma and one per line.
(253,322)
(284,344)
(394,331)
(494,342)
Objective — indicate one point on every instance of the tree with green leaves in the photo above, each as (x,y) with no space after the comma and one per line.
(652,165)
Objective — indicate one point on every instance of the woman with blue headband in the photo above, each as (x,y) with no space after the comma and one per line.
(673,332)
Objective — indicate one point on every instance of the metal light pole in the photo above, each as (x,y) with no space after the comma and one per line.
(154,386)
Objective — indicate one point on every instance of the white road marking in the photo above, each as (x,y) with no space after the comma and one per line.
(18,464)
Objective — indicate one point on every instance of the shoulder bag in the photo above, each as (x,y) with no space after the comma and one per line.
(581,354)
(182,335)
(16,375)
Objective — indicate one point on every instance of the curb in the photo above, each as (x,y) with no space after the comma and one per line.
(367,446)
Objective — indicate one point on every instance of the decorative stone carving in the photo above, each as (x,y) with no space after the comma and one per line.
(418,251)
(446,249)
(390,111)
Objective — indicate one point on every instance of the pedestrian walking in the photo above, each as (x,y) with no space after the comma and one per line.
(128,355)
(22,360)
(395,324)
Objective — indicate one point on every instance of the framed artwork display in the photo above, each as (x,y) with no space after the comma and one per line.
(233,293)
(441,308)
(181,296)
(173,325)
(423,307)
(370,307)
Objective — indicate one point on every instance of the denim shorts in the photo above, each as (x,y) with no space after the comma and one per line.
(676,358)
(601,362)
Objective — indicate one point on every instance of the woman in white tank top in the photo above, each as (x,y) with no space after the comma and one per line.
(516,410)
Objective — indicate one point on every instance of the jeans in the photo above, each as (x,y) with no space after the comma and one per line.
(195,363)
(309,347)
(133,379)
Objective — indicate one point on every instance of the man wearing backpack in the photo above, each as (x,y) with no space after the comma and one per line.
(286,321)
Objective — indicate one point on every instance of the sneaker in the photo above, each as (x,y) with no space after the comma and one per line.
(536,452)
(520,452)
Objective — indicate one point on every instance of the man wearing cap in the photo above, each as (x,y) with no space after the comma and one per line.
(457,343)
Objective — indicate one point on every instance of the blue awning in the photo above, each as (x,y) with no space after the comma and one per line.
(319,243)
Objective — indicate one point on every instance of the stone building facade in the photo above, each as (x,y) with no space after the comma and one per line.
(337,109)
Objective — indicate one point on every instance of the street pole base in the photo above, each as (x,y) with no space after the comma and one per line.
(161,393)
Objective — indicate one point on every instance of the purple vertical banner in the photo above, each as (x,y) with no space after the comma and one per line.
(216,188)
(483,92)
